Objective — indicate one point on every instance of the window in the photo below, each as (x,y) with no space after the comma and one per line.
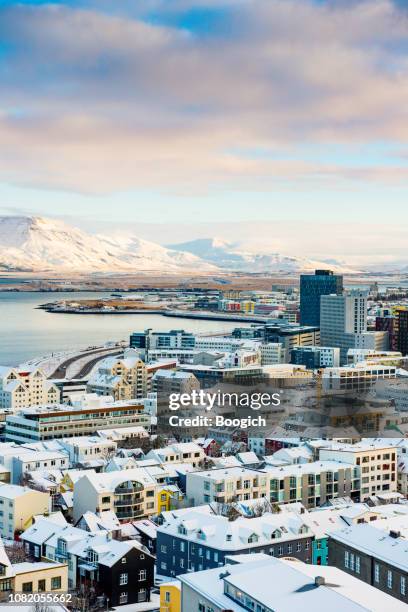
(298,547)
(163,548)
(289,548)
(376,572)
(389,579)
(55,583)
(106,500)
(27,587)
(357,565)
(123,559)
(123,597)
(41,586)
(403,585)
(346,559)
(142,574)
(123,579)
(62,547)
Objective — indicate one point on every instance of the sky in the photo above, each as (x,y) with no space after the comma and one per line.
(195,115)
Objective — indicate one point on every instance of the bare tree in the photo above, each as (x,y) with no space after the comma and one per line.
(15,552)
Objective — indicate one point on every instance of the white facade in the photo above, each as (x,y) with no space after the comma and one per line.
(342,318)
(272,353)
(359,378)
(377,461)
(22,387)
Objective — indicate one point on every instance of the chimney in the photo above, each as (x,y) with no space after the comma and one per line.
(395,534)
(320,581)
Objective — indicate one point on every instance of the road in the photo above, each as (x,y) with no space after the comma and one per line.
(59,373)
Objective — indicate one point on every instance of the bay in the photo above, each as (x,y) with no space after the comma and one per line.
(27,332)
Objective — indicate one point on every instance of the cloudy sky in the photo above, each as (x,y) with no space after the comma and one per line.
(145,112)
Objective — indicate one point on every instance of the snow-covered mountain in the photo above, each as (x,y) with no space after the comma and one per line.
(38,244)
(238,256)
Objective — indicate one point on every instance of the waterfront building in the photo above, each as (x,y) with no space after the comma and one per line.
(175,338)
(312,287)
(22,387)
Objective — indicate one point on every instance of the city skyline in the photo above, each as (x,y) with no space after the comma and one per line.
(209,111)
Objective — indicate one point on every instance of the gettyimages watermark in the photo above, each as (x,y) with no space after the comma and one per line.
(208,400)
(205,409)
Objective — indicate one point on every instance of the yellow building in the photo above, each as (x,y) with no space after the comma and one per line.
(248,307)
(167,498)
(40,577)
(123,379)
(170,596)
(18,505)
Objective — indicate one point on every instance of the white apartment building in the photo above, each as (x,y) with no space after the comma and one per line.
(226,485)
(356,355)
(131,494)
(329,356)
(218,343)
(183,452)
(87,448)
(342,319)
(360,377)
(377,461)
(22,387)
(272,353)
(28,461)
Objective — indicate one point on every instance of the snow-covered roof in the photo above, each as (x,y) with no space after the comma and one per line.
(375,542)
(222,534)
(11,491)
(247,458)
(108,481)
(292,588)
(147,527)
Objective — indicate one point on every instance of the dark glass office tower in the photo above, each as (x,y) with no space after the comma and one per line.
(312,287)
(401,329)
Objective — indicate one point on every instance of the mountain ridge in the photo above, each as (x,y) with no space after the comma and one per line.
(38,244)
